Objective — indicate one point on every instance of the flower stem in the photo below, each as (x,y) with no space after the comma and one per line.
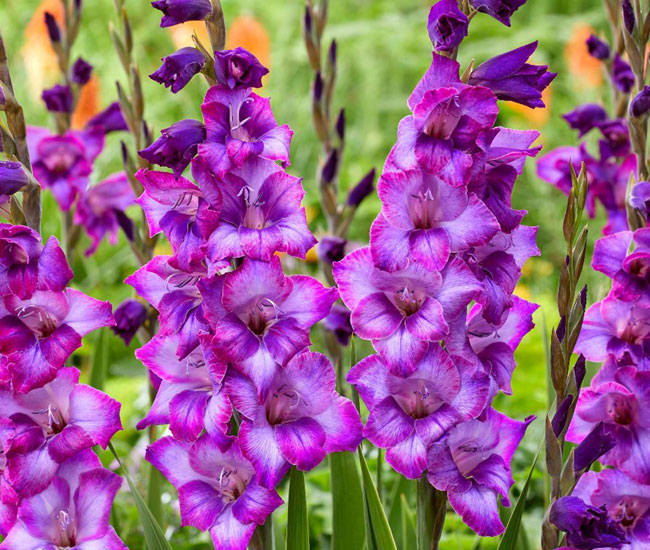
(431,511)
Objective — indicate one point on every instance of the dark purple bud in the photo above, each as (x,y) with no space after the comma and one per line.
(587,527)
(511,78)
(81,71)
(622,75)
(560,417)
(53,30)
(330,167)
(641,103)
(125,223)
(3,99)
(583,297)
(125,153)
(77,6)
(332,53)
(501,10)
(628,16)
(307,20)
(58,99)
(595,445)
(129,317)
(331,249)
(447,25)
(179,68)
(12,177)
(180,11)
(579,371)
(109,120)
(176,145)
(617,139)
(338,322)
(598,48)
(561,329)
(318,87)
(238,68)
(340,125)
(362,189)
(585,117)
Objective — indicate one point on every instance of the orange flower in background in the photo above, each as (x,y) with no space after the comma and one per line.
(88,104)
(182,34)
(586,71)
(535,117)
(247,32)
(40,59)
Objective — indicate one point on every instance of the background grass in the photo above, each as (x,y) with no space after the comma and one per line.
(383,51)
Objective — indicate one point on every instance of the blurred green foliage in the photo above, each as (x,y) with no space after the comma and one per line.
(383,51)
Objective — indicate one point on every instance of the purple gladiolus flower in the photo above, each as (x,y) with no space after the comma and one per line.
(238,68)
(447,25)
(301,420)
(640,105)
(129,317)
(626,502)
(260,211)
(598,48)
(511,78)
(409,413)
(617,139)
(13,177)
(216,488)
(58,99)
(338,322)
(73,512)
(331,249)
(501,10)
(640,198)
(424,220)
(176,12)
(190,396)
(261,317)
(620,403)
(176,145)
(57,421)
(401,312)
(241,125)
(586,117)
(472,463)
(179,68)
(586,526)
(109,120)
(81,71)
(101,210)
(622,75)
(597,442)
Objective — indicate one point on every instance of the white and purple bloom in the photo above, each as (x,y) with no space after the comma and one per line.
(472,463)
(409,413)
(238,68)
(261,318)
(216,487)
(620,403)
(54,422)
(512,78)
(176,12)
(301,420)
(260,212)
(240,125)
(72,512)
(101,210)
(447,25)
(190,396)
(423,220)
(501,10)
(179,68)
(401,312)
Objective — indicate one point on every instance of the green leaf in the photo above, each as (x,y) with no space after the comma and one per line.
(152,532)
(297,523)
(381,533)
(99,366)
(510,537)
(409,536)
(347,503)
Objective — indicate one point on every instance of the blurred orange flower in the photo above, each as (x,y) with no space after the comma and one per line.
(88,104)
(535,117)
(182,34)
(247,32)
(586,71)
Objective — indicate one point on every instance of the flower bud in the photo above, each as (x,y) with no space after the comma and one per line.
(81,71)
(331,249)
(129,317)
(598,48)
(622,75)
(53,30)
(338,322)
(58,99)
(592,447)
(109,120)
(362,189)
(628,16)
(12,177)
(641,103)
(318,87)
(179,68)
(330,168)
(180,11)
(447,25)
(238,68)
(560,417)
(340,125)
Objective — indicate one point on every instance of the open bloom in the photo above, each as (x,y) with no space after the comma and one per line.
(473,465)
(424,220)
(190,396)
(501,10)
(238,68)
(260,212)
(401,312)
(240,125)
(408,414)
(217,488)
(73,512)
(301,420)
(261,317)
(101,210)
(621,405)
(585,117)
(54,422)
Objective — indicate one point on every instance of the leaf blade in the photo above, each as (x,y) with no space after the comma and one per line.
(347,503)
(297,523)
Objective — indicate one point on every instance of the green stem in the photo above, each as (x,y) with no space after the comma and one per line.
(263,538)
(431,510)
